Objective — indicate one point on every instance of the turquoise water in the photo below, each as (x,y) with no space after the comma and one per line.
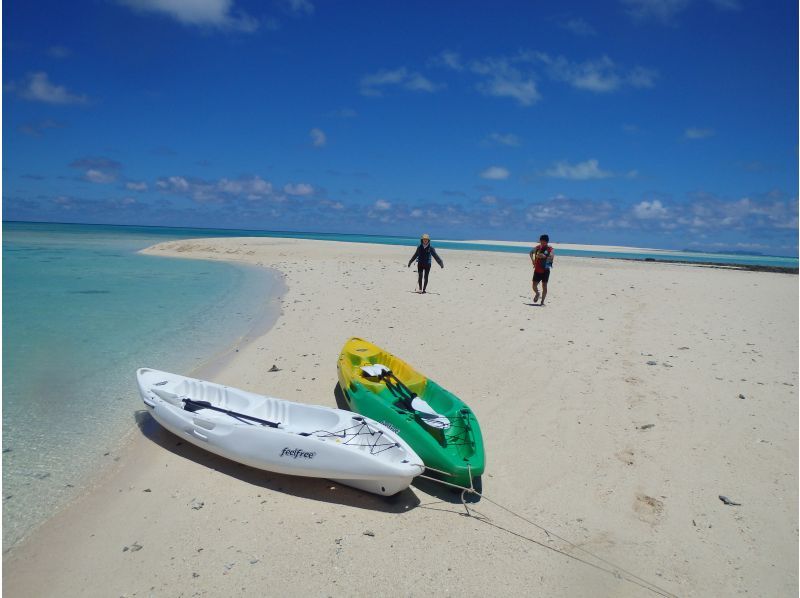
(81,311)
(163,233)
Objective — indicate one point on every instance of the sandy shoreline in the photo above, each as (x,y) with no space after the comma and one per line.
(566,400)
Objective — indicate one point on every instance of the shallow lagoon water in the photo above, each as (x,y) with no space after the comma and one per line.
(81,311)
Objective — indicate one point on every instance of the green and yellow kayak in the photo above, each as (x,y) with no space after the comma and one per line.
(438,425)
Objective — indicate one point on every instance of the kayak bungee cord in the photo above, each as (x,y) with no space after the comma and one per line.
(362,429)
(614,570)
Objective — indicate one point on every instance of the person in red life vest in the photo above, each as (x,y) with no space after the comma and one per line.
(542,260)
(423,255)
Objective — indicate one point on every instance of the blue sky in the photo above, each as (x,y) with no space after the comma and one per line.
(658,123)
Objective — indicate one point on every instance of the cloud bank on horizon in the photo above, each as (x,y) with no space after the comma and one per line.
(660,123)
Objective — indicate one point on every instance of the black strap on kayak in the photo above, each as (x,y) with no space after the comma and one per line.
(193,406)
(398,389)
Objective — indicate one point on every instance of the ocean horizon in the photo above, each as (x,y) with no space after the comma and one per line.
(729,258)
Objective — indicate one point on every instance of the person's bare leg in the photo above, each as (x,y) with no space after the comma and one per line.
(544,291)
(535,285)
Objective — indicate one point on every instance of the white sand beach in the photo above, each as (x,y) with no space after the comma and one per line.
(614,418)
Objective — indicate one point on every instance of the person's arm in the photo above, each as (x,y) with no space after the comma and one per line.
(551,256)
(533,256)
(413,257)
(437,258)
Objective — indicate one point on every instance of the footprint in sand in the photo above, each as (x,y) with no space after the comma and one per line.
(626,456)
(647,508)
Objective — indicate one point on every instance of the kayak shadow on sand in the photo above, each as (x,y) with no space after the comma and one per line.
(441,491)
(304,487)
(447,493)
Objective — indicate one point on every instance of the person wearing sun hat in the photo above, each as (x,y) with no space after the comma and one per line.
(423,255)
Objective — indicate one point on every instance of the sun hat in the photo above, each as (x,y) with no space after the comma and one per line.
(426,236)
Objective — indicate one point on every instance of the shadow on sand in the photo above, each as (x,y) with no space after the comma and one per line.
(304,487)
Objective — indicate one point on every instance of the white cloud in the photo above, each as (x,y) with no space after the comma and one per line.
(98,170)
(501,79)
(579,26)
(451,60)
(590,169)
(64,202)
(746,214)
(298,189)
(600,75)
(508,139)
(585,212)
(698,133)
(199,13)
(249,187)
(174,184)
(650,210)
(37,129)
(657,10)
(665,11)
(727,4)
(252,188)
(38,88)
(374,84)
(300,7)
(318,137)
(98,176)
(344,113)
(495,173)
(136,185)
(417,82)
(641,77)
(59,52)
(382,205)
(332,204)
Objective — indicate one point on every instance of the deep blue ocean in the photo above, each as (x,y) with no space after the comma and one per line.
(82,310)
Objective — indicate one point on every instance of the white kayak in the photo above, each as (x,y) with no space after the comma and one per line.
(281,436)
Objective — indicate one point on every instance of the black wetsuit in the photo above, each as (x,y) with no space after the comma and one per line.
(423,256)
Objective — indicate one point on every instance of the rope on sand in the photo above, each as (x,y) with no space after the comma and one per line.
(613,569)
